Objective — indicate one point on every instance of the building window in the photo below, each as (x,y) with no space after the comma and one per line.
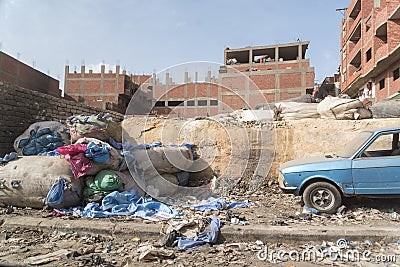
(396,74)
(368,24)
(381,84)
(309,91)
(190,103)
(213,102)
(369,54)
(202,102)
(175,103)
(160,104)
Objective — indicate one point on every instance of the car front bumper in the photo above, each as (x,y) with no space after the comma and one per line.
(286,189)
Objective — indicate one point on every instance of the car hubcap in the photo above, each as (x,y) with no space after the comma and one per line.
(322,198)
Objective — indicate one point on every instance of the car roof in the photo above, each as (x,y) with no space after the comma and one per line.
(385,129)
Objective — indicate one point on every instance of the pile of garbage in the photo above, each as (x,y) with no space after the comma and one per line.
(329,108)
(84,163)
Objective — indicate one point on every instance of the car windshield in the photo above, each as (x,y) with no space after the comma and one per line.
(354,145)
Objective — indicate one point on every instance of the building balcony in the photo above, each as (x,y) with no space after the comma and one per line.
(354,51)
(353,27)
(381,17)
(394,11)
(354,9)
(381,53)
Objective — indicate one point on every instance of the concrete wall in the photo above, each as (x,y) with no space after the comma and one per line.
(250,143)
(21,107)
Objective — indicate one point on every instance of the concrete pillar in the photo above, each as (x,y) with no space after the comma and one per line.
(196,77)
(154,80)
(102,71)
(116,87)
(166,87)
(186,77)
(66,72)
(81,83)
(185,89)
(251,56)
(300,51)
(208,79)
(276,54)
(277,87)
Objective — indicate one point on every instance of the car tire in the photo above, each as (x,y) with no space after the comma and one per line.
(323,197)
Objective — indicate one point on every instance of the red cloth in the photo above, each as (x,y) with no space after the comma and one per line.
(75,155)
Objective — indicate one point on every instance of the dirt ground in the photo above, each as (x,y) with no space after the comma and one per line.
(269,207)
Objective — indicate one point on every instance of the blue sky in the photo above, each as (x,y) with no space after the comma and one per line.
(145,36)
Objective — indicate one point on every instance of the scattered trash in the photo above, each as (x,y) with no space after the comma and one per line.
(369,243)
(43,259)
(151,253)
(9,157)
(230,217)
(168,239)
(220,204)
(394,215)
(205,237)
(341,210)
(128,203)
(308,210)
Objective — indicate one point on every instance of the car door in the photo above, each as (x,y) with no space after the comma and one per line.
(376,170)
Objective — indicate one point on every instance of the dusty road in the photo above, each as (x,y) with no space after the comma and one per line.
(19,246)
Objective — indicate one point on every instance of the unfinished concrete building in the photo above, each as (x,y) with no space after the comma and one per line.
(280,71)
(370,49)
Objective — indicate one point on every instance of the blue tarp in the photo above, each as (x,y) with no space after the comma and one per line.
(203,238)
(97,153)
(9,157)
(55,196)
(220,204)
(50,153)
(43,140)
(126,203)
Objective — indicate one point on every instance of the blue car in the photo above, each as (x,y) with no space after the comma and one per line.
(368,166)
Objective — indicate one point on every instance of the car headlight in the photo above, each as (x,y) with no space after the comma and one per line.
(281,180)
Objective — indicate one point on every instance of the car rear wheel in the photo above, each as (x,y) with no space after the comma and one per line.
(322,196)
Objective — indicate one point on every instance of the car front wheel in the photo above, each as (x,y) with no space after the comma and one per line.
(322,196)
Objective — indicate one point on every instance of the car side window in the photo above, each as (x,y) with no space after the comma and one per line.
(383,146)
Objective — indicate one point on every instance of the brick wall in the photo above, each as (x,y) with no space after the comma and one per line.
(16,72)
(20,107)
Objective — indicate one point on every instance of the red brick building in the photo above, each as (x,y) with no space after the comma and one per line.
(279,71)
(18,73)
(106,90)
(251,76)
(370,48)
